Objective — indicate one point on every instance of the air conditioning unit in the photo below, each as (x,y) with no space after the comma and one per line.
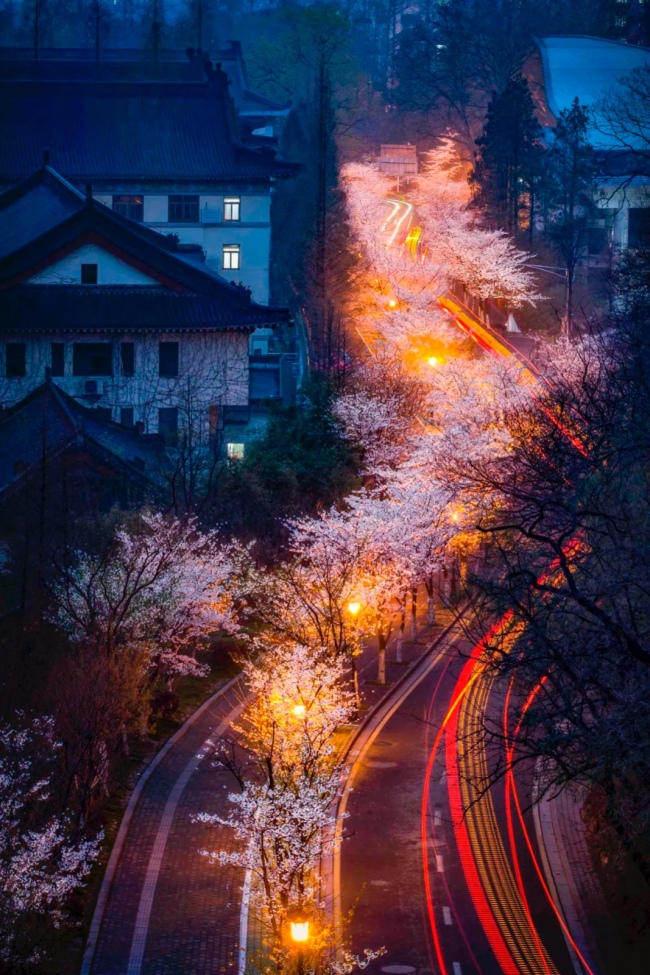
(93,389)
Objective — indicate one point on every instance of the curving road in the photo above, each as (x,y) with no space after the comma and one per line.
(445,892)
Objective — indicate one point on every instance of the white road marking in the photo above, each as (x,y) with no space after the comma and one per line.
(446,915)
(437,817)
(457,969)
(439,865)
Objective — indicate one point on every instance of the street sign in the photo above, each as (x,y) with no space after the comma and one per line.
(399,160)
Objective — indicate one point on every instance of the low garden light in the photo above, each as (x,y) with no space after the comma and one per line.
(299,925)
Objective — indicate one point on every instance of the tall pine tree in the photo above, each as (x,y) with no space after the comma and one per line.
(508,159)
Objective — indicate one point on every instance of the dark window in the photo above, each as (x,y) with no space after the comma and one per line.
(596,240)
(213,422)
(183,209)
(16,360)
(92,359)
(105,412)
(129,206)
(264,383)
(126,416)
(168,423)
(127,354)
(89,273)
(168,359)
(639,227)
(58,363)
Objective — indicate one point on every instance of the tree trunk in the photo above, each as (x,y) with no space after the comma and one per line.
(414,612)
(381,668)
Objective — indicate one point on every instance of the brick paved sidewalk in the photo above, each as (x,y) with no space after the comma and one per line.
(575,886)
(169,911)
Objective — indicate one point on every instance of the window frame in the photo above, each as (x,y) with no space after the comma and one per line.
(176,371)
(106,347)
(231,250)
(170,437)
(127,409)
(178,208)
(232,202)
(19,348)
(235,451)
(129,348)
(57,359)
(90,270)
(129,205)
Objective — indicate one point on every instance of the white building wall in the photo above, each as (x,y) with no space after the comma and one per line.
(213,371)
(252,232)
(111,270)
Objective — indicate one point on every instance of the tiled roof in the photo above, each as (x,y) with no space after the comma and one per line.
(48,420)
(205,299)
(132,65)
(99,308)
(136,132)
(34,207)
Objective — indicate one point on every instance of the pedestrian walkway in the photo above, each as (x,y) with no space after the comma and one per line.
(168,910)
(572,879)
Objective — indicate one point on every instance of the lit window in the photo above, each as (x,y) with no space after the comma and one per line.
(129,206)
(235,451)
(231,257)
(231,208)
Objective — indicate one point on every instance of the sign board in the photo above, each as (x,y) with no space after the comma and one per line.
(398,160)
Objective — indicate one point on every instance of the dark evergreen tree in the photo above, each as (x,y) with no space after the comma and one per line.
(572,168)
(508,160)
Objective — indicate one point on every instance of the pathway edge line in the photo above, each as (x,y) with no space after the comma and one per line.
(120,839)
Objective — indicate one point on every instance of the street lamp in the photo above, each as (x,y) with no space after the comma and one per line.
(299,925)
(353,608)
(299,710)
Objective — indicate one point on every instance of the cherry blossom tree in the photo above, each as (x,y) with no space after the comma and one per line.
(283,815)
(159,588)
(41,861)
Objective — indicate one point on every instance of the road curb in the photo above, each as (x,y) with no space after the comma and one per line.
(120,839)
(394,688)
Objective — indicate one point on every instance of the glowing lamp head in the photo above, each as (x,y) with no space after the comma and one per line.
(353,608)
(299,926)
(433,360)
(392,303)
(299,710)
(454,516)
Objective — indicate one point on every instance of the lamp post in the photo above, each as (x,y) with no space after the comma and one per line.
(353,609)
(299,921)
